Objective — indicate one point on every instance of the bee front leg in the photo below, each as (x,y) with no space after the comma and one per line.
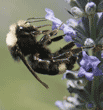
(46,39)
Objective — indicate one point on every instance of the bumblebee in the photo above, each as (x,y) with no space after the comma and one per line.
(22,42)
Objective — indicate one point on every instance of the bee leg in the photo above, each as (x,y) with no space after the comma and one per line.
(63,55)
(47,37)
(69,62)
(55,39)
(29,67)
(47,40)
(45,31)
(38,32)
(64,49)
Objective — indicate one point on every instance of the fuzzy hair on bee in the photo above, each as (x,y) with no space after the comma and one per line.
(21,42)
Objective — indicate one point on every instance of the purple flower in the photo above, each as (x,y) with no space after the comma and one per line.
(59,104)
(87,63)
(82,73)
(69,33)
(56,23)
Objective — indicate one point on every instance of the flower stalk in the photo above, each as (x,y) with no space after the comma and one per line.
(95,95)
(92,27)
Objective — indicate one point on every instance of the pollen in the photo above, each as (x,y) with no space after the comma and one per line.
(62,68)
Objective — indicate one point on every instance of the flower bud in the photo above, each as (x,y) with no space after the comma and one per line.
(77,12)
(72,3)
(90,8)
(72,22)
(89,42)
(90,105)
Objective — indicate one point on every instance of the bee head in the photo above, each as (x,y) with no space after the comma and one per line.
(22,27)
(11,39)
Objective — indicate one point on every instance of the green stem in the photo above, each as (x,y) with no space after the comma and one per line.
(95,96)
(92,27)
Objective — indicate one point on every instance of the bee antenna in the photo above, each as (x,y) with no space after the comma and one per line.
(36,18)
(29,67)
(31,20)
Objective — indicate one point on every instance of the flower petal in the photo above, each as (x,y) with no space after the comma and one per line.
(89,76)
(67,38)
(56,22)
(81,72)
(59,104)
(84,59)
(94,61)
(49,14)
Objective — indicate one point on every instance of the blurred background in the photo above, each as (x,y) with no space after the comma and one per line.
(19,90)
